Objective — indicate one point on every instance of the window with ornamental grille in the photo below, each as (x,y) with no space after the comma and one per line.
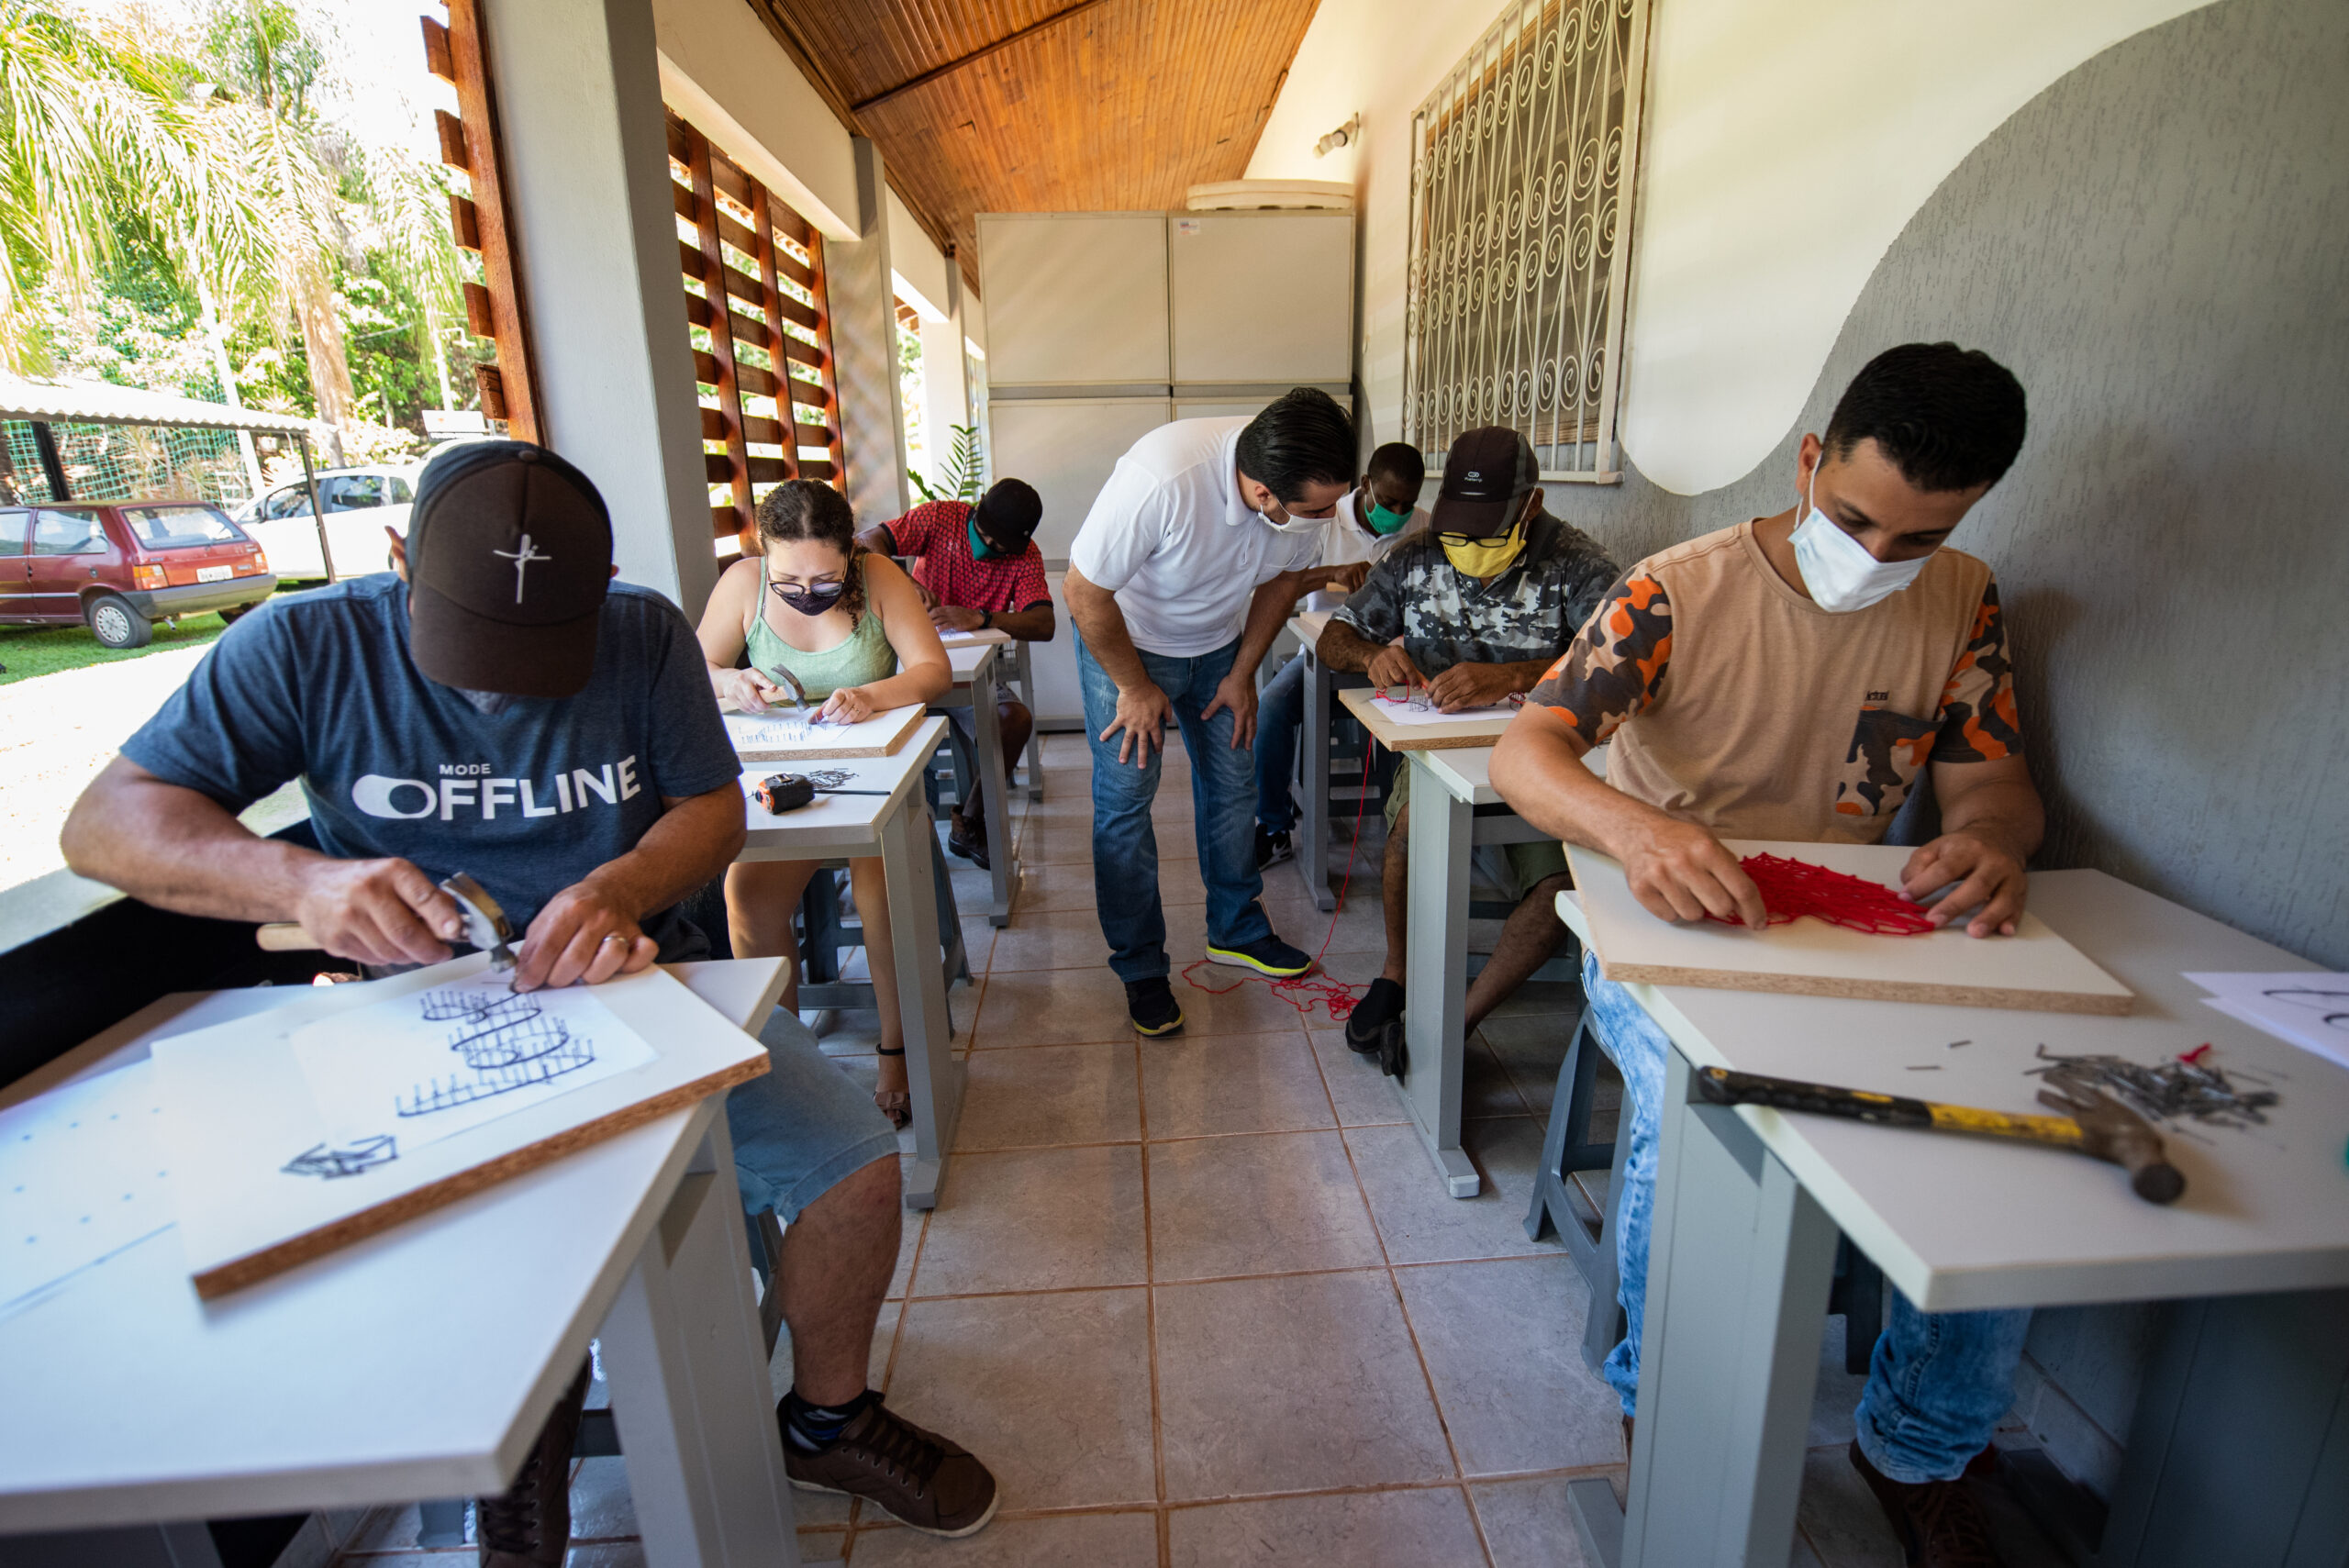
(1521,181)
(770,408)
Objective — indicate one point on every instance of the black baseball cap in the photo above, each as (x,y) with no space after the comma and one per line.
(1487,477)
(1008,513)
(510,552)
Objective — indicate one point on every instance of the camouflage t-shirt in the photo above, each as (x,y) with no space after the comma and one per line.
(1446,617)
(1733,701)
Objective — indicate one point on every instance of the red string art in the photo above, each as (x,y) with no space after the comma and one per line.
(1791,889)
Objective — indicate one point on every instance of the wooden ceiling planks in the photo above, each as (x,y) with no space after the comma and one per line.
(1118,106)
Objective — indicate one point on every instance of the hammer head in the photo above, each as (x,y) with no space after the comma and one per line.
(486,925)
(2112,1132)
(781,675)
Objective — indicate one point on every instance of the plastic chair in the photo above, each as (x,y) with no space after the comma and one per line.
(1856,1295)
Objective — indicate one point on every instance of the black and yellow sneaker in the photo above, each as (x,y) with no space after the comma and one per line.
(1150,1006)
(1265,955)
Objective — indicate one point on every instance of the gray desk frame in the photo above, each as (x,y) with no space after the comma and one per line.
(1748,1202)
(977,688)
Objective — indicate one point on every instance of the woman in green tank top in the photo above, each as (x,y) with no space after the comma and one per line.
(850,627)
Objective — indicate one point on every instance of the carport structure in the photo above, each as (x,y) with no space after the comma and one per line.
(46,471)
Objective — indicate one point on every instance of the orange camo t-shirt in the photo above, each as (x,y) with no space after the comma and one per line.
(1733,701)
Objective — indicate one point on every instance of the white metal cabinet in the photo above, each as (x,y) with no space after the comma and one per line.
(1065,448)
(1074,299)
(1261,296)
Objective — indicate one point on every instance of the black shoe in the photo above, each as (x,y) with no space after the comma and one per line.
(1265,955)
(1375,1028)
(968,839)
(529,1524)
(1150,1006)
(1272,848)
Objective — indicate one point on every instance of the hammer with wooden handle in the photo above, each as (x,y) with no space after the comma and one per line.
(486,925)
(2095,1125)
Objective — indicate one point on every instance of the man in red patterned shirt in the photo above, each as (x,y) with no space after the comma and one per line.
(978,569)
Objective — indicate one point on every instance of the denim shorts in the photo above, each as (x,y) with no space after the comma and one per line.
(803,1127)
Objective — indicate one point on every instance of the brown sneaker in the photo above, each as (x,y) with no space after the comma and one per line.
(529,1524)
(916,1477)
(1939,1523)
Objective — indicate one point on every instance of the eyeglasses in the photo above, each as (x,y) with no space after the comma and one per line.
(822,588)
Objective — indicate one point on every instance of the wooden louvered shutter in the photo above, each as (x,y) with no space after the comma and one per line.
(754,272)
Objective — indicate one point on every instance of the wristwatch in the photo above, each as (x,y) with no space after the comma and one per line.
(986,620)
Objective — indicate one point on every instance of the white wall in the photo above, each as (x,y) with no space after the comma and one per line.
(920,266)
(1788,144)
(723,71)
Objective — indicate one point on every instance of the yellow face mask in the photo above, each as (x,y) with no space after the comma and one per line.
(1484,557)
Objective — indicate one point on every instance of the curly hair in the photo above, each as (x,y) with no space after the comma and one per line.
(802,509)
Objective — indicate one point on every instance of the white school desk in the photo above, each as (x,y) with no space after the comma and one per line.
(897,827)
(1453,808)
(976,665)
(1018,666)
(420,1362)
(1748,1201)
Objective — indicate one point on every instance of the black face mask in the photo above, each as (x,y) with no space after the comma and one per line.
(812,601)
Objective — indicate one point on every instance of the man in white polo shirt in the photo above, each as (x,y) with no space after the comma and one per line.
(1183,573)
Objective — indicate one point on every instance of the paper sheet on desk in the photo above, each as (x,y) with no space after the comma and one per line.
(83,1178)
(2309,1009)
(1404,713)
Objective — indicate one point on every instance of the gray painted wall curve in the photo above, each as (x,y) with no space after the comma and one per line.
(2158,245)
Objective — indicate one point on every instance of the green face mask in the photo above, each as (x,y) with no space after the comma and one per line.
(980,549)
(1384,522)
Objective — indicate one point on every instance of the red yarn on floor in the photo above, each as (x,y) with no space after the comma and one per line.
(1791,889)
(1301,991)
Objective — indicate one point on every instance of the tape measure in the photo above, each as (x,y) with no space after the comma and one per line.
(780,792)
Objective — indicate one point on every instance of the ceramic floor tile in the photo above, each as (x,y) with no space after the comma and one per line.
(1259,1204)
(1527,1525)
(1035,1220)
(1364,1095)
(908,1241)
(1839,1515)
(1047,889)
(1359,925)
(1051,1392)
(1050,1094)
(1242,1082)
(1063,840)
(1530,1048)
(606,1554)
(601,1509)
(1053,939)
(1420,1222)
(1072,1540)
(1485,1088)
(1070,1007)
(1503,1343)
(1329,1374)
(385,1530)
(1422,1528)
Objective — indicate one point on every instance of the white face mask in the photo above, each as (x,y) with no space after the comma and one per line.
(1838,570)
(1290,524)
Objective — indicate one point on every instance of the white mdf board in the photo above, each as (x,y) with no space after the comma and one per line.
(1435,732)
(1066,448)
(1073,299)
(1261,296)
(2034,970)
(239,1108)
(879,736)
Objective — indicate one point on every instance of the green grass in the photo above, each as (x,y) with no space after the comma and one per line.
(34,651)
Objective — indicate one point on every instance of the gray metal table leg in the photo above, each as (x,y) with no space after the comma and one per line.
(994,782)
(1738,1261)
(1035,752)
(689,1390)
(1435,969)
(934,1078)
(1313,822)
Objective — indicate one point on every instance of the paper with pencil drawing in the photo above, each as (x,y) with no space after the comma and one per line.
(2309,1009)
(423,1067)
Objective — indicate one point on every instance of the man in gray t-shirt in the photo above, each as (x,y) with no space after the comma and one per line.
(502,708)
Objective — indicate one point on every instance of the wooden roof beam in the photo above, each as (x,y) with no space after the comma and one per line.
(935,71)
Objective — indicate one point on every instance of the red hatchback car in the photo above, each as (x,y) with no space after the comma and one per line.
(121,566)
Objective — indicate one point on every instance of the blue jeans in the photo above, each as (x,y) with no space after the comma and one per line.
(1280,708)
(1125,848)
(1938,1382)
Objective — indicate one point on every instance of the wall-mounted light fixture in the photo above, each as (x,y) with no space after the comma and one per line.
(1345,134)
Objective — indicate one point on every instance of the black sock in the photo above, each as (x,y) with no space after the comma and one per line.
(1379,1005)
(815,1428)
